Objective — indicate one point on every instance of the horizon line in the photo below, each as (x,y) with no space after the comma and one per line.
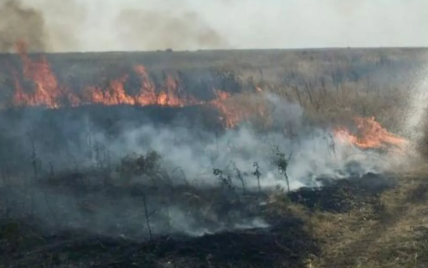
(221,50)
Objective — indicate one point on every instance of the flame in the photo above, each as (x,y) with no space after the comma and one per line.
(114,95)
(240,108)
(370,134)
(169,95)
(47,92)
(147,94)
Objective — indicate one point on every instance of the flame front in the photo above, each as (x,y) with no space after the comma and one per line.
(370,134)
(47,92)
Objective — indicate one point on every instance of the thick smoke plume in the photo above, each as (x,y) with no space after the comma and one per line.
(104,25)
(72,153)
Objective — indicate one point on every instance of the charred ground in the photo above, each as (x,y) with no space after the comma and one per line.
(364,221)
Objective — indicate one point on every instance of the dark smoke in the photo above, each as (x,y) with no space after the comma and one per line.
(46,26)
(18,22)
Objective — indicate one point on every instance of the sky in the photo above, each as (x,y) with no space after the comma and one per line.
(112,25)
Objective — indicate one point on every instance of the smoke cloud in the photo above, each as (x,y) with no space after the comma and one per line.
(45,26)
(159,29)
(21,23)
(78,25)
(76,147)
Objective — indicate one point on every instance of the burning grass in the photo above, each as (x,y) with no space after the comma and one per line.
(134,213)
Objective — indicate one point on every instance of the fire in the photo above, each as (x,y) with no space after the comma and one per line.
(148,89)
(240,108)
(169,95)
(114,95)
(49,93)
(370,134)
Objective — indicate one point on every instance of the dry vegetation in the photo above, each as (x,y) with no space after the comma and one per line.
(376,221)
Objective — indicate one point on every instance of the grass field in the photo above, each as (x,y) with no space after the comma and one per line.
(70,213)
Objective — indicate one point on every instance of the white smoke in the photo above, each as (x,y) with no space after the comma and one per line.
(314,153)
(414,125)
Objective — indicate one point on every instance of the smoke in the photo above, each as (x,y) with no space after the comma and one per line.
(192,203)
(417,109)
(414,121)
(105,25)
(159,30)
(75,25)
(44,26)
(20,23)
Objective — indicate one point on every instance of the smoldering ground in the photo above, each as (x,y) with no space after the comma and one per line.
(78,176)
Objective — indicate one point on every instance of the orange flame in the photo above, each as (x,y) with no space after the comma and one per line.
(169,95)
(234,111)
(114,95)
(370,134)
(48,92)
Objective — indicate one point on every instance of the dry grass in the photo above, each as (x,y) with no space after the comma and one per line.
(393,233)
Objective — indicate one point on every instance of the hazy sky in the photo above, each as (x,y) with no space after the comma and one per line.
(97,25)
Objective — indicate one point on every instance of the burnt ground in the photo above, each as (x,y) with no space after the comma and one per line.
(285,243)
(289,241)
